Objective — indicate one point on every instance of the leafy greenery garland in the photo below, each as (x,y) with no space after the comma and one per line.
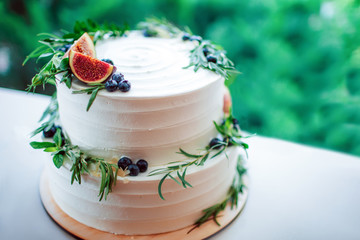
(61,147)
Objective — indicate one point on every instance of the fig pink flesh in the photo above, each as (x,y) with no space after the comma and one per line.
(88,69)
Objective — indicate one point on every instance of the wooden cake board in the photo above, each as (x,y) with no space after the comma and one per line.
(85,232)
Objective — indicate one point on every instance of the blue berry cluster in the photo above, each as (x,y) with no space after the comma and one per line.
(206,51)
(116,81)
(126,163)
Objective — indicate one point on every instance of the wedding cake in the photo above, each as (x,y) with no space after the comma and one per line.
(166,119)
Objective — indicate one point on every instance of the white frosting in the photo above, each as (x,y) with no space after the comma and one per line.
(167,107)
(135,207)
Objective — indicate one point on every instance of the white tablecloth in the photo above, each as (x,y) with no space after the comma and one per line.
(295,191)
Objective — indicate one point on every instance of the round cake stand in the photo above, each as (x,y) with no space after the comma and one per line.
(82,231)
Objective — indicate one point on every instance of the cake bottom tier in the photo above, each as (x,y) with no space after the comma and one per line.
(134,206)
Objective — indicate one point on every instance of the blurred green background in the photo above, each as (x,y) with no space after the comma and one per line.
(300,60)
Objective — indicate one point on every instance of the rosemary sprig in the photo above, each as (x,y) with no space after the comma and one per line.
(51,113)
(223,66)
(179,168)
(237,187)
(93,90)
(230,132)
(47,73)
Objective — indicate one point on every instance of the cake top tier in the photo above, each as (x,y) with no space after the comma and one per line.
(154,66)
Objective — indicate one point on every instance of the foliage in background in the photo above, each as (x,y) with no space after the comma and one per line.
(300,60)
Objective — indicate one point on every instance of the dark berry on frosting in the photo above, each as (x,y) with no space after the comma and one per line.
(124,86)
(236,124)
(228,140)
(206,51)
(211,59)
(196,38)
(111,85)
(215,142)
(49,133)
(142,164)
(124,162)
(134,170)
(186,37)
(109,61)
(119,77)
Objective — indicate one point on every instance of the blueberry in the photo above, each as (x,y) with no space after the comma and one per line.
(49,133)
(222,122)
(186,37)
(109,61)
(215,142)
(134,170)
(118,77)
(142,164)
(228,140)
(236,124)
(65,48)
(205,51)
(211,58)
(196,38)
(124,86)
(124,162)
(111,85)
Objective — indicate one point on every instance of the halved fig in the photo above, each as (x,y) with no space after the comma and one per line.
(84,45)
(88,69)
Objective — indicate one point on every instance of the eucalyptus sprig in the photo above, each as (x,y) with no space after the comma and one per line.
(223,65)
(51,114)
(232,197)
(93,90)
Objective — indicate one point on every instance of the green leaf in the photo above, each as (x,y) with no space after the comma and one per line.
(57,138)
(39,145)
(64,64)
(160,185)
(51,149)
(58,160)
(92,97)
(188,154)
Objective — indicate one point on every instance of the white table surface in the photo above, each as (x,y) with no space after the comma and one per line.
(295,191)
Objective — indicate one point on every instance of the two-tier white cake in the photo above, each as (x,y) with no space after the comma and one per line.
(169,107)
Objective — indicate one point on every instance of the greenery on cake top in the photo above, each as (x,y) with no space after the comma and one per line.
(205,55)
(53,47)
